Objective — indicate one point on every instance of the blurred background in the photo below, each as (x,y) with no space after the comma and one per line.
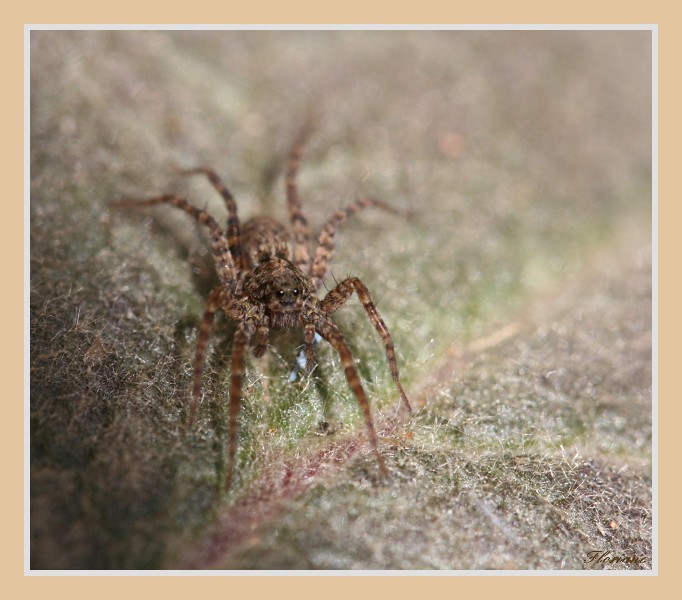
(518,294)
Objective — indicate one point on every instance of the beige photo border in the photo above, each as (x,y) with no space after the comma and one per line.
(16,583)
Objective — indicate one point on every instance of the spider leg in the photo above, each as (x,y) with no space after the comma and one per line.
(305,358)
(326,244)
(212,305)
(231,205)
(299,224)
(336,298)
(225,266)
(309,336)
(262,335)
(239,345)
(330,332)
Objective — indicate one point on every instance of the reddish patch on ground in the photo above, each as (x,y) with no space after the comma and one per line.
(285,479)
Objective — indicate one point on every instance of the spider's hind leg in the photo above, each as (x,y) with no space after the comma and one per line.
(233,228)
(326,244)
(225,266)
(299,224)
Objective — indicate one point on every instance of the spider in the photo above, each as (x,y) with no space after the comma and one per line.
(269,281)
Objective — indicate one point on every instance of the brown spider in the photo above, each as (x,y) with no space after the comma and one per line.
(264,285)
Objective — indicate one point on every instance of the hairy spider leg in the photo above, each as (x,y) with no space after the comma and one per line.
(309,351)
(262,336)
(330,332)
(226,273)
(220,246)
(338,296)
(212,306)
(299,224)
(233,236)
(301,362)
(326,244)
(239,345)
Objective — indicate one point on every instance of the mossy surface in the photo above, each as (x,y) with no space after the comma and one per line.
(518,295)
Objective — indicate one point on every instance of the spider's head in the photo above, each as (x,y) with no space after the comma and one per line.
(279,285)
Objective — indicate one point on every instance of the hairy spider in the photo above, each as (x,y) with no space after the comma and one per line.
(266,282)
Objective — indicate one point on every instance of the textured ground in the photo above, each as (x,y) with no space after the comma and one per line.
(519,298)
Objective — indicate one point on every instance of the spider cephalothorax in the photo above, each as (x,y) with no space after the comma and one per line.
(282,289)
(269,282)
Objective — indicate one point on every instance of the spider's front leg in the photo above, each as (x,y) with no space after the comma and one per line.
(330,332)
(212,305)
(262,336)
(310,336)
(306,357)
(336,298)
(241,342)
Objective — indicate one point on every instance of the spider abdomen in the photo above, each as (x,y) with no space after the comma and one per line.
(264,238)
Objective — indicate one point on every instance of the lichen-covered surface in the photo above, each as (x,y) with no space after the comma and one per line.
(518,295)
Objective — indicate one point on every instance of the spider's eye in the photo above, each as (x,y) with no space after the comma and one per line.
(280,293)
(295,292)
